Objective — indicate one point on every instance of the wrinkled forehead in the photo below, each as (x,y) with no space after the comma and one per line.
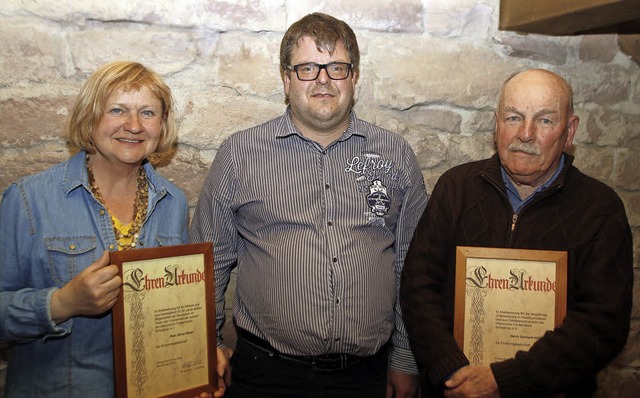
(535,89)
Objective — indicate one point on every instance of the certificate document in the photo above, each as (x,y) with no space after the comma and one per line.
(164,322)
(506,299)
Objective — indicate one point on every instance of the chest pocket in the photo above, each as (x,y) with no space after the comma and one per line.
(69,255)
(165,240)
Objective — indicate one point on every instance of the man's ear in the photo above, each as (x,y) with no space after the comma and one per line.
(572,127)
(286,81)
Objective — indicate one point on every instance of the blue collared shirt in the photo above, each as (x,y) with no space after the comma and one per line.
(52,228)
(518,203)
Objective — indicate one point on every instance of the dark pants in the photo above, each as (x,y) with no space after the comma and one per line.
(258,373)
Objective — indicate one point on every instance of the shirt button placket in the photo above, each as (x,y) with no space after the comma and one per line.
(329,216)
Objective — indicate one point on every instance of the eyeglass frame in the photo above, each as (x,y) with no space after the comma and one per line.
(320,68)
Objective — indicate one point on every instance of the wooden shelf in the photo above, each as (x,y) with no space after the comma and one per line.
(567,17)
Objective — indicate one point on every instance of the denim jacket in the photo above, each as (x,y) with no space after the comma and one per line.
(52,228)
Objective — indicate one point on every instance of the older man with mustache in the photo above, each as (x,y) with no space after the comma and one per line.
(527,196)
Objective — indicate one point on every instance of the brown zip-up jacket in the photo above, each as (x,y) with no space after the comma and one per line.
(577,214)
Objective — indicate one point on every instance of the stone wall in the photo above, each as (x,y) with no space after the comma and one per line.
(431,71)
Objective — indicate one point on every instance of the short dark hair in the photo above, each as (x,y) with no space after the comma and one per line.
(326,31)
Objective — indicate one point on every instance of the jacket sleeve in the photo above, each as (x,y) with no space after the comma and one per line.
(596,326)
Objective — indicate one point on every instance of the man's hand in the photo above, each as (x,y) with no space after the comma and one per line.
(472,382)
(402,385)
(224,368)
(92,292)
(224,372)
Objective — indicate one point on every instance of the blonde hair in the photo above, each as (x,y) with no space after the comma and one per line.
(92,97)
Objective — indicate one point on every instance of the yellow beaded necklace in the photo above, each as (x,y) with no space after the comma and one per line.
(126,235)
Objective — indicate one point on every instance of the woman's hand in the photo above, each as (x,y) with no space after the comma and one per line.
(94,291)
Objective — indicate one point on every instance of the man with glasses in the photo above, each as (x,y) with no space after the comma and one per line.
(316,208)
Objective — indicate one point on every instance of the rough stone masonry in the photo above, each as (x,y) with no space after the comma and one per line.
(431,71)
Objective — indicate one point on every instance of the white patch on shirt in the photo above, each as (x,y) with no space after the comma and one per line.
(378,200)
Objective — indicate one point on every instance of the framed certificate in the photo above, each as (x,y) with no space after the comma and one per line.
(506,299)
(164,328)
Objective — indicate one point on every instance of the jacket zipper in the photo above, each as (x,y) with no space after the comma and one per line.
(514,217)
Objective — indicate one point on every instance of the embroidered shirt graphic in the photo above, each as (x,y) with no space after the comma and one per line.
(378,199)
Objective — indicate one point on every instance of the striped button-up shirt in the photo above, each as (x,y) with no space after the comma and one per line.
(318,235)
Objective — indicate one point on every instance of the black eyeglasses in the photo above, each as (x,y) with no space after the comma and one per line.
(311,70)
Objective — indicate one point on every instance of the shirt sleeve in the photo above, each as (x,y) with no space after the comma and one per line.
(423,298)
(214,221)
(24,310)
(414,202)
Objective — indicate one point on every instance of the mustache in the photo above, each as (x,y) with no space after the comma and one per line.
(524,147)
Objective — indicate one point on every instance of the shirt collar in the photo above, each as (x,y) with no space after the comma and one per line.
(512,193)
(75,175)
(288,128)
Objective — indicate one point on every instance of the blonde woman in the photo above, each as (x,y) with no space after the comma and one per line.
(57,227)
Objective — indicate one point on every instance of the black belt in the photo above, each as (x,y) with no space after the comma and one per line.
(325,362)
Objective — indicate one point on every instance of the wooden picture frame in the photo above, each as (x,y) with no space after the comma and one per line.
(164,323)
(506,299)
